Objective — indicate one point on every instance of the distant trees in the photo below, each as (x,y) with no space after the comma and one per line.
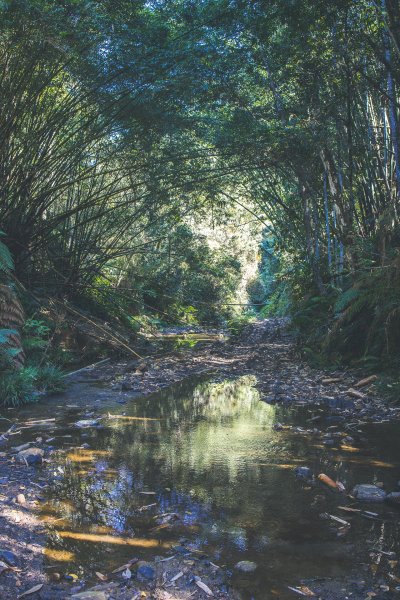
(118,120)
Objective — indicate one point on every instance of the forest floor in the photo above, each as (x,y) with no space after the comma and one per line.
(265,350)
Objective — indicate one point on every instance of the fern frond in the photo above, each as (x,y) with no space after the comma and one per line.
(6,261)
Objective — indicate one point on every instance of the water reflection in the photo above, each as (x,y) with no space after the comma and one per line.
(208,454)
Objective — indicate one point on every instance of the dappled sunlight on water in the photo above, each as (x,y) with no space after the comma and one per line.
(208,454)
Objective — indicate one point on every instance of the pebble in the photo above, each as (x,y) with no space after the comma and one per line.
(9,557)
(145,571)
(303,473)
(87,423)
(126,385)
(21,499)
(329,442)
(90,595)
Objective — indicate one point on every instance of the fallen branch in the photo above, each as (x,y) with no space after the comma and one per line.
(366,381)
(96,364)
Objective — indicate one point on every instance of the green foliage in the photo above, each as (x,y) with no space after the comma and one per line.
(6,353)
(237,324)
(18,386)
(136,153)
(50,378)
(184,314)
(21,386)
(35,336)
(345,299)
(5,334)
(6,261)
(186,343)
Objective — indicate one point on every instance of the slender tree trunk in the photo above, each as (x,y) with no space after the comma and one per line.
(393,121)
(312,248)
(327,226)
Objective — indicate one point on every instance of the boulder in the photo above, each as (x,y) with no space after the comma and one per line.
(366,492)
(31,456)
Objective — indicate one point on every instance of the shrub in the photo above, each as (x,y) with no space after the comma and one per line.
(238,323)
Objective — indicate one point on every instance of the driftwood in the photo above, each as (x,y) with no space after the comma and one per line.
(96,364)
(366,381)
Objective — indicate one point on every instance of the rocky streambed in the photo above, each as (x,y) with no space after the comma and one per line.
(230,470)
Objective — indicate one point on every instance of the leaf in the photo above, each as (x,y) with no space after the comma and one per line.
(101,576)
(35,588)
(177,576)
(204,587)
(127,574)
(125,566)
(302,591)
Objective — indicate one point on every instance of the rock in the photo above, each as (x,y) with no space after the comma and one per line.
(339,402)
(75,589)
(9,557)
(366,492)
(83,423)
(278,427)
(393,498)
(32,456)
(329,442)
(335,419)
(145,571)
(246,566)
(303,473)
(126,385)
(21,499)
(131,365)
(90,595)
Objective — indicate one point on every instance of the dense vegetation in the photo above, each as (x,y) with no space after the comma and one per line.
(132,132)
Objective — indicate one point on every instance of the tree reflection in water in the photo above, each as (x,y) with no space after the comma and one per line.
(209,453)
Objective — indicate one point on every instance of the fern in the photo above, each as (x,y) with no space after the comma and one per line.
(345,299)
(6,261)
(18,387)
(5,334)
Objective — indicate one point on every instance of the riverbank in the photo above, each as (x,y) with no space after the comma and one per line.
(266,354)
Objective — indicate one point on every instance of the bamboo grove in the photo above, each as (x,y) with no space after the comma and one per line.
(120,123)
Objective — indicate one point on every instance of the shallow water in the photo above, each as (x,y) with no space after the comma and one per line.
(209,453)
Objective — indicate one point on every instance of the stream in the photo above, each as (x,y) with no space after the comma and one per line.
(206,456)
